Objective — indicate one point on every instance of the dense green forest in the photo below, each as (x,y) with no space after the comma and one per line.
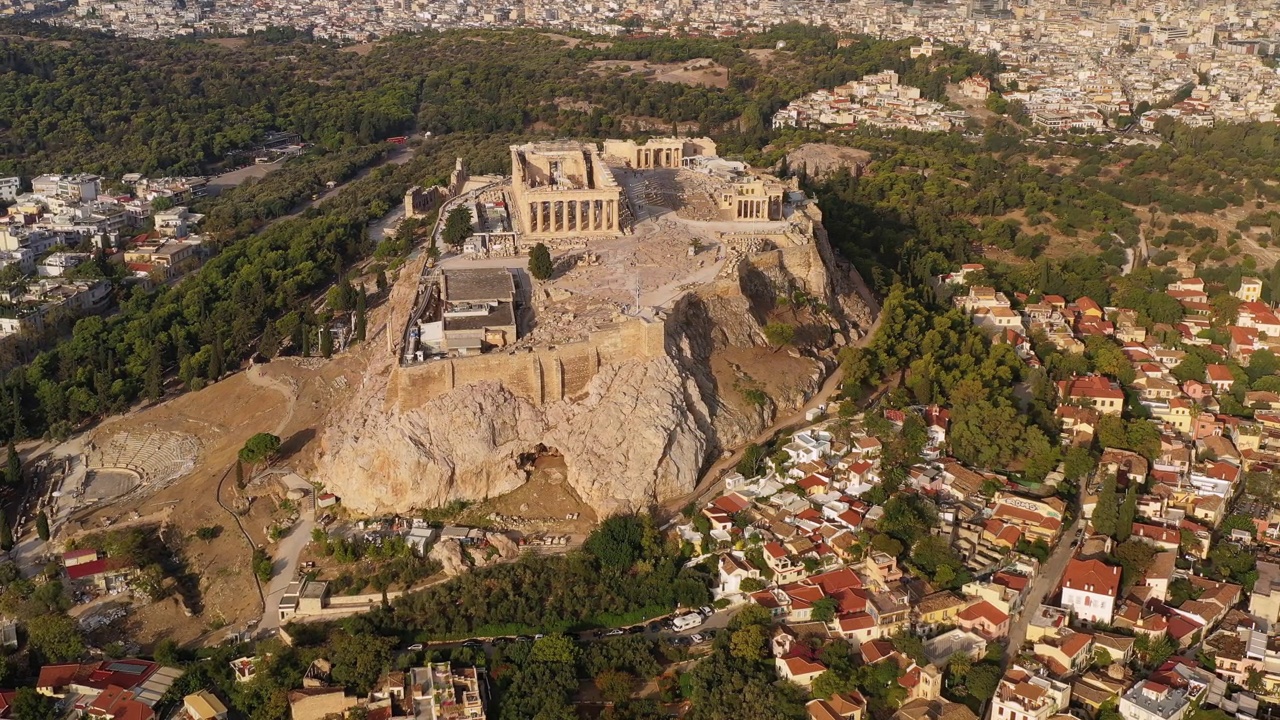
(182,106)
(115,105)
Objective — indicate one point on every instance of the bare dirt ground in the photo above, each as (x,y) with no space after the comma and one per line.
(776,373)
(571,42)
(361,49)
(232,43)
(25,38)
(703,72)
(291,398)
(977,109)
(238,177)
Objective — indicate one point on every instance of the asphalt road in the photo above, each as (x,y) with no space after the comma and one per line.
(1041,588)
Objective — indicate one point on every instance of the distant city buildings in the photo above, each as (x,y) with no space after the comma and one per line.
(1076,65)
(50,235)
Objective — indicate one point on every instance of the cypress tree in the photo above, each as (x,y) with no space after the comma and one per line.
(42,526)
(239,474)
(1128,512)
(13,467)
(155,375)
(269,345)
(215,358)
(1106,514)
(6,533)
(19,428)
(360,315)
(306,341)
(326,342)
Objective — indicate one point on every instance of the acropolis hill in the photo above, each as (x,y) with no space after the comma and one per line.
(638,362)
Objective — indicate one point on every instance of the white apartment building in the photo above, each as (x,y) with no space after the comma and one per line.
(1023,696)
(1089,589)
(1149,700)
(9,188)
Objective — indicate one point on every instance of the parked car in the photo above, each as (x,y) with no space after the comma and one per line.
(416,647)
(698,638)
(706,611)
(472,644)
(657,626)
(635,629)
(615,632)
(523,638)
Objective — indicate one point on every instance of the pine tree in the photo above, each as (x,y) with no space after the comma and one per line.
(42,526)
(1106,513)
(154,380)
(215,358)
(360,315)
(13,468)
(6,534)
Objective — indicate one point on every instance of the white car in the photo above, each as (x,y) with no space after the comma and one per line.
(416,647)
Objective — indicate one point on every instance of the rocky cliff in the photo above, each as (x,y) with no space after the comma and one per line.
(640,432)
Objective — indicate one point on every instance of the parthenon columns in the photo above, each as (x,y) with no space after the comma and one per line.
(582,216)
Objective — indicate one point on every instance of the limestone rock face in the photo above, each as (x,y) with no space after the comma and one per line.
(635,438)
(640,432)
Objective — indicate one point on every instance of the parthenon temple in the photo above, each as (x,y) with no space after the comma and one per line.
(564,188)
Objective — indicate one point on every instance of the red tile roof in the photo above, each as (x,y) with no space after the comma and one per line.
(731,503)
(1074,643)
(985,611)
(812,481)
(1092,576)
(837,580)
(803,666)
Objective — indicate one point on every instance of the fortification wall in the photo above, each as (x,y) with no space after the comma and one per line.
(541,375)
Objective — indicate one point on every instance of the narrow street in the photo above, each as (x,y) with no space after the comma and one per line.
(1042,586)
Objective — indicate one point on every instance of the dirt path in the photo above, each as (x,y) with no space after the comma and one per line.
(255,377)
(262,598)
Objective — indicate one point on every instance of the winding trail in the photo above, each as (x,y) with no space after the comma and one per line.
(256,378)
(262,598)
(284,567)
